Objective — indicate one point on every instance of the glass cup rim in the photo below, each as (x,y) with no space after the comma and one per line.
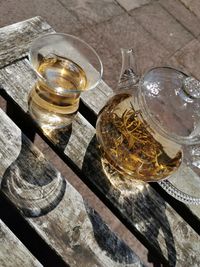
(30,57)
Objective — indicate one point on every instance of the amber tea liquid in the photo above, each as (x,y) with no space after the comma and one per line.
(130,146)
(53,104)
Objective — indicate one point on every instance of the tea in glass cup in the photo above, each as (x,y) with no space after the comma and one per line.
(65,67)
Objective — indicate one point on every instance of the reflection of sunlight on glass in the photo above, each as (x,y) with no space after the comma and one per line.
(153,88)
(141,186)
(196,130)
(196,161)
(124,184)
(194,157)
(65,66)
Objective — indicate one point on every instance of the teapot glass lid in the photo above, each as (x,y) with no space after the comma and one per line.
(171,99)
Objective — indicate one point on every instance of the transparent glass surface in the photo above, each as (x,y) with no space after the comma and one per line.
(65,66)
(184,185)
(171,100)
(168,96)
(69,47)
(131,145)
(150,130)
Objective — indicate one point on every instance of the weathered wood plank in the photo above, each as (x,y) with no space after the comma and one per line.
(186,179)
(96,98)
(141,206)
(54,208)
(15,39)
(13,252)
(19,85)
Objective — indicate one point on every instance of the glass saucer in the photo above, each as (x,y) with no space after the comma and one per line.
(184,185)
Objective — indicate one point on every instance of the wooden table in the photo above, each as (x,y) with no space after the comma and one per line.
(54,222)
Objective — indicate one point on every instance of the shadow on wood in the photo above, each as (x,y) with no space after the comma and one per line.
(32,183)
(143,214)
(108,242)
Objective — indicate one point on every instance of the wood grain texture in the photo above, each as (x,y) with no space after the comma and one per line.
(13,252)
(15,39)
(144,209)
(55,209)
(95,99)
(18,79)
(141,206)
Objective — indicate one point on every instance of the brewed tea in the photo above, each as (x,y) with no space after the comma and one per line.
(131,146)
(55,98)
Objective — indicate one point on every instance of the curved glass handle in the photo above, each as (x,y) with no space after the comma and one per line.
(179,195)
(128,76)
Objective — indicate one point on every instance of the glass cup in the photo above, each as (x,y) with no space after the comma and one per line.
(65,66)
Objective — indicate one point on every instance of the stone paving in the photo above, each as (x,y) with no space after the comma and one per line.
(162,32)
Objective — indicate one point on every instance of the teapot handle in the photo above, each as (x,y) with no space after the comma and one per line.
(129,75)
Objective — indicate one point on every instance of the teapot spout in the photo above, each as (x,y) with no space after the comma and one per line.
(128,76)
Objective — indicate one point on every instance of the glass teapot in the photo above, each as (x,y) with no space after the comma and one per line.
(145,129)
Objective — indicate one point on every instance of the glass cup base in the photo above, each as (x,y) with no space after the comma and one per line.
(122,182)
